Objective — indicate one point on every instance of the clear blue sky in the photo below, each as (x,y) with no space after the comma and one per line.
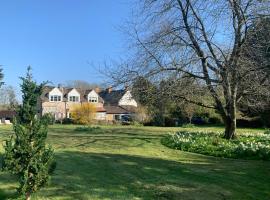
(59,38)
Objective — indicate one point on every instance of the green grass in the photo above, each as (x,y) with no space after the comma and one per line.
(122,162)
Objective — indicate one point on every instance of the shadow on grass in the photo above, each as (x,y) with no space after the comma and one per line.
(5,179)
(115,176)
(119,133)
(129,131)
(108,137)
(82,175)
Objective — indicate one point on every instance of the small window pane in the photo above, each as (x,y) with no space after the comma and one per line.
(74,98)
(93,99)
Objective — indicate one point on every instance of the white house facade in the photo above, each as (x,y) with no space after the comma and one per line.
(110,105)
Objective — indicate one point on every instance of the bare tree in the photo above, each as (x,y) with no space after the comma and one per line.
(8,98)
(84,85)
(256,60)
(202,39)
(1,77)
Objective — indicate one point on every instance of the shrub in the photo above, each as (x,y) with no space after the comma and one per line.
(138,124)
(48,118)
(83,114)
(267,131)
(188,126)
(87,129)
(215,120)
(67,121)
(248,146)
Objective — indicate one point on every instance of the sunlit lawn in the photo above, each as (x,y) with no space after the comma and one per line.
(122,162)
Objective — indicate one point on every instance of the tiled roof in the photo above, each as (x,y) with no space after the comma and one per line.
(116,110)
(112,98)
(131,109)
(100,109)
(7,114)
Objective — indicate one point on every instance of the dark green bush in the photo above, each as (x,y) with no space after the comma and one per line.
(67,121)
(48,118)
(87,129)
(188,126)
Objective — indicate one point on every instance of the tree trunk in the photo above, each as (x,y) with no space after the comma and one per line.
(230,120)
(28,196)
(190,118)
(230,128)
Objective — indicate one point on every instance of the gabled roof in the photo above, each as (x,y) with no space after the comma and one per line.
(111,98)
(83,93)
(45,93)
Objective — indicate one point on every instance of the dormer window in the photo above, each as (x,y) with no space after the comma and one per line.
(74,98)
(93,99)
(55,98)
(55,95)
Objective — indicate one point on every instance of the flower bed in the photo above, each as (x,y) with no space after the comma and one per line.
(246,146)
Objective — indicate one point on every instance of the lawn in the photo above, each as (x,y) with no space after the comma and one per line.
(116,162)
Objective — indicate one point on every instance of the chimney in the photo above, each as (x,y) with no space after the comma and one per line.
(97,90)
(126,88)
(60,87)
(110,89)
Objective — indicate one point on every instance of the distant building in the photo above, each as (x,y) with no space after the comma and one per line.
(110,104)
(6,116)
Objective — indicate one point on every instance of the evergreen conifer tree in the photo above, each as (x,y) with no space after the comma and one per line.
(26,153)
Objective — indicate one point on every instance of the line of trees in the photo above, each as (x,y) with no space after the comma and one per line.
(164,109)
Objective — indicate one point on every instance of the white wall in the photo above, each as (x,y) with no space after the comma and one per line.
(74,92)
(127,100)
(100,116)
(92,94)
(55,91)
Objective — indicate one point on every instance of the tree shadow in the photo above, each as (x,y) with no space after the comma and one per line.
(109,137)
(5,179)
(115,176)
(128,131)
(85,175)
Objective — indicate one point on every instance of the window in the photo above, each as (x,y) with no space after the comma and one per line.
(74,98)
(93,99)
(55,98)
(117,117)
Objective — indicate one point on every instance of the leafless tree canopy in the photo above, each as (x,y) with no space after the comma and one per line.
(1,76)
(8,98)
(201,39)
(255,59)
(84,85)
